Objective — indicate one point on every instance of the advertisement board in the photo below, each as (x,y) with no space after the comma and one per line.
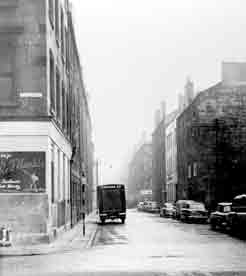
(22,172)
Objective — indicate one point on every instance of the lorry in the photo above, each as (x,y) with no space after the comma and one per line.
(111,202)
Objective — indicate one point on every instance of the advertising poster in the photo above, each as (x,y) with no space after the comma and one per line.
(22,172)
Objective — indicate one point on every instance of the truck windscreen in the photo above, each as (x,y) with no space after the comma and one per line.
(112,199)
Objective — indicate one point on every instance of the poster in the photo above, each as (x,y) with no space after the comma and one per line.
(22,172)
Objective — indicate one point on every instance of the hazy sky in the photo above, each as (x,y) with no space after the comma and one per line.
(137,53)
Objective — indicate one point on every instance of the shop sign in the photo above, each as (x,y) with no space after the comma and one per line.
(22,172)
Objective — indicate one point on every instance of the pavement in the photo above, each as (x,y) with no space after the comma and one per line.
(66,241)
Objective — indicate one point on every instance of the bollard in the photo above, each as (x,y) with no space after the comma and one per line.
(5,238)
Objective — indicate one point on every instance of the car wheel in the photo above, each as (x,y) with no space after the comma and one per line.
(213,226)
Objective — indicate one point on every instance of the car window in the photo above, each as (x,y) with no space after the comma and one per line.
(227,209)
(199,207)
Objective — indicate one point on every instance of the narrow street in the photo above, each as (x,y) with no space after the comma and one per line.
(145,245)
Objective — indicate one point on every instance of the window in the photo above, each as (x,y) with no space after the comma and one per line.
(51,12)
(67,115)
(62,35)
(52,82)
(52,175)
(58,174)
(63,107)
(189,171)
(64,178)
(57,21)
(58,95)
(195,169)
(67,49)
(6,72)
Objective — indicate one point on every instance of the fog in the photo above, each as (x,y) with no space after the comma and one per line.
(137,53)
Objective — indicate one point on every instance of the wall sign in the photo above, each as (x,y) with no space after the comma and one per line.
(22,172)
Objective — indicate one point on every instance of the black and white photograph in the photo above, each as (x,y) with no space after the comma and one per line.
(122,138)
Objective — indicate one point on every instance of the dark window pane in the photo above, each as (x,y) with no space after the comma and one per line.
(5,89)
(58,95)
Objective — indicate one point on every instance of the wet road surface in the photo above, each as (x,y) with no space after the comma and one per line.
(145,245)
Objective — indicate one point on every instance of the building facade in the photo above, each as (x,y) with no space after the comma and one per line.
(211,137)
(140,175)
(45,127)
(159,163)
(171,159)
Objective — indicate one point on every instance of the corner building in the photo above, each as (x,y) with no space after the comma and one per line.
(45,125)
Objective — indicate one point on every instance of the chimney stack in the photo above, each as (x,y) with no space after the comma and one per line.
(157,117)
(163,110)
(180,102)
(189,92)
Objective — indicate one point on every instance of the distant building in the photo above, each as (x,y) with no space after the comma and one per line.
(159,167)
(140,175)
(211,141)
(171,157)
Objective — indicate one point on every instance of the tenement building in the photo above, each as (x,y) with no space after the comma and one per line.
(211,140)
(159,163)
(140,175)
(171,157)
(46,152)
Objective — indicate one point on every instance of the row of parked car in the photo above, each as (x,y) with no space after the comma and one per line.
(149,206)
(229,216)
(185,210)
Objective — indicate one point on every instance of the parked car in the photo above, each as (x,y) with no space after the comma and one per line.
(189,211)
(237,216)
(167,210)
(140,206)
(151,206)
(220,218)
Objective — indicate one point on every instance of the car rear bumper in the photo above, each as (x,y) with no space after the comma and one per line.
(121,215)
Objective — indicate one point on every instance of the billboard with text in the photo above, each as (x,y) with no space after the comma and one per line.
(22,172)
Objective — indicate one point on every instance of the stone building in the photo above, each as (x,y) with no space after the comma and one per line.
(45,126)
(159,163)
(140,175)
(171,157)
(211,141)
